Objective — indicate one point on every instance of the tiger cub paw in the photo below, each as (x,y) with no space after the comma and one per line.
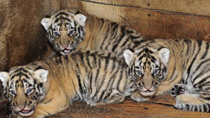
(178,89)
(179,106)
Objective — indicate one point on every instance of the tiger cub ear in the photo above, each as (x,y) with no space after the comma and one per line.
(164,55)
(41,75)
(4,77)
(80,18)
(46,23)
(129,56)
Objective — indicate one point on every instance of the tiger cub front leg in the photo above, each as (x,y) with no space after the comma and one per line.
(43,110)
(186,98)
(112,96)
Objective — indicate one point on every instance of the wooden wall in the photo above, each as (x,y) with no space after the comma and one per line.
(154,18)
(21,35)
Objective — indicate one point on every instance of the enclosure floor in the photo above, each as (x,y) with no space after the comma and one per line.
(159,107)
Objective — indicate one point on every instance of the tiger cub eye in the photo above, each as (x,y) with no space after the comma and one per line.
(29,91)
(155,71)
(71,32)
(57,34)
(139,72)
(12,92)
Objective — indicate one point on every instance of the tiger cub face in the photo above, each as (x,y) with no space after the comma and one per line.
(147,68)
(24,88)
(65,31)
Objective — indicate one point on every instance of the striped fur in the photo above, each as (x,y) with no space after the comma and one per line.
(96,35)
(188,65)
(94,79)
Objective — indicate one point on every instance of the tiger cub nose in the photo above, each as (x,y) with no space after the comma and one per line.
(65,46)
(21,107)
(147,87)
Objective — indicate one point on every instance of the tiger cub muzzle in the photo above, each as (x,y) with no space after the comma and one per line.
(147,84)
(23,101)
(65,44)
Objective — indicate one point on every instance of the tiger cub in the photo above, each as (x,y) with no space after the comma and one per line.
(163,64)
(43,88)
(71,31)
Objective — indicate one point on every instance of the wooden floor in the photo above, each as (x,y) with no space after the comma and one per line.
(160,107)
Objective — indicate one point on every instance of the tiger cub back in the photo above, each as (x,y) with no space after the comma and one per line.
(70,31)
(43,88)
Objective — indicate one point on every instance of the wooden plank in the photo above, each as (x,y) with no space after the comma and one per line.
(63,4)
(55,6)
(104,11)
(160,107)
(4,13)
(26,39)
(74,4)
(70,4)
(199,7)
(152,23)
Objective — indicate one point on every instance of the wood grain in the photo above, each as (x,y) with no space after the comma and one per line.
(160,107)
(153,23)
(197,7)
